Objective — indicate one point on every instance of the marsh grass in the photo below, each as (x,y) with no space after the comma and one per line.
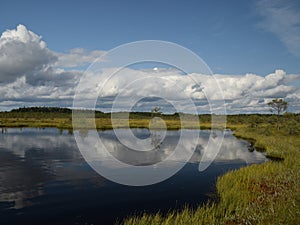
(201,215)
(267,193)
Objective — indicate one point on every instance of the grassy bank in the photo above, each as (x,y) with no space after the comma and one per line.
(268,193)
(100,123)
(62,118)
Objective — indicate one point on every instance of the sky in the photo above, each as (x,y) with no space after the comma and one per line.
(252,48)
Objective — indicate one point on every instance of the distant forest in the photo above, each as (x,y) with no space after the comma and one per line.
(42,110)
(51,112)
(40,116)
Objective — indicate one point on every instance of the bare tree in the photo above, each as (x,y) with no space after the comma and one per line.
(278,106)
(155,109)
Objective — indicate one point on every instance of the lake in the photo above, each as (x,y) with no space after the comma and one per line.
(45,180)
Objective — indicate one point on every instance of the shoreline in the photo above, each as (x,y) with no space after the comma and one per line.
(267,193)
(246,194)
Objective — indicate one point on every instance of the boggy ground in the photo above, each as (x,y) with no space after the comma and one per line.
(268,193)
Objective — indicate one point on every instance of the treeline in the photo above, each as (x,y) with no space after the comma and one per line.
(57,112)
(61,112)
(289,122)
(41,110)
(38,112)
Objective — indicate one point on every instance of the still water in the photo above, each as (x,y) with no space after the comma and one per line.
(45,180)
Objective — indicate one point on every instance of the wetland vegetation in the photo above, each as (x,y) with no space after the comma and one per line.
(267,193)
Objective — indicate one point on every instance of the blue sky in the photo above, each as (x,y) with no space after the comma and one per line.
(226,34)
(45,56)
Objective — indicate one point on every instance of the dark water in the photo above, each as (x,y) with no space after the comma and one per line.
(45,180)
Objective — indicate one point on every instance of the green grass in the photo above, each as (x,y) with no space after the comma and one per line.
(100,123)
(268,193)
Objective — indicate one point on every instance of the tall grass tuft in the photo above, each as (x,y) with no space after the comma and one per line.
(268,193)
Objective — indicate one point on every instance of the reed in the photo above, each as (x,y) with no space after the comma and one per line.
(267,193)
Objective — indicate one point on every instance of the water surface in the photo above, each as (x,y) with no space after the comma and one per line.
(45,180)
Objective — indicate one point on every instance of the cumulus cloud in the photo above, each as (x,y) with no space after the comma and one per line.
(242,93)
(32,74)
(283,19)
(22,53)
(251,92)
(21,90)
(77,57)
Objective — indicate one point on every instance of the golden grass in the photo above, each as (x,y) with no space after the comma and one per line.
(268,193)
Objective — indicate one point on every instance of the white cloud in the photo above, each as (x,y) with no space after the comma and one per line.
(32,74)
(20,90)
(283,19)
(242,93)
(77,57)
(29,72)
(22,53)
